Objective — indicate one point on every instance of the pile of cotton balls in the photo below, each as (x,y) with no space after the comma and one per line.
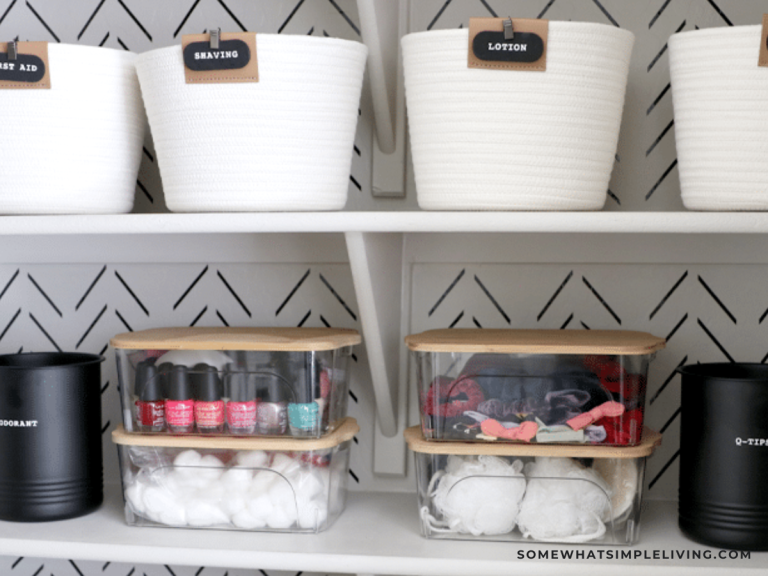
(487,495)
(257,490)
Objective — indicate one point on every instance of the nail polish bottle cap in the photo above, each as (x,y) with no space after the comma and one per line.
(208,386)
(179,386)
(164,374)
(271,388)
(303,386)
(240,389)
(148,385)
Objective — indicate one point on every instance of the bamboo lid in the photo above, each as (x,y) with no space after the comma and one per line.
(611,342)
(417,443)
(228,338)
(345,431)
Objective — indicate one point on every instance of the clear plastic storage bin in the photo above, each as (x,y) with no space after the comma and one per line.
(237,381)
(519,492)
(544,386)
(259,484)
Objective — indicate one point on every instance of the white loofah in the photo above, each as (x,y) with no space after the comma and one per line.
(516,140)
(478,495)
(282,143)
(564,502)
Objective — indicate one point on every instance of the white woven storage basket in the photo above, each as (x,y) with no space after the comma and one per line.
(720,97)
(76,147)
(283,143)
(516,140)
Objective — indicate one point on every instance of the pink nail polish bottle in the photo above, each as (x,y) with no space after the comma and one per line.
(180,403)
(209,407)
(241,407)
(151,403)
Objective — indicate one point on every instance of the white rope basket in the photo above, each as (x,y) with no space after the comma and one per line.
(76,147)
(720,97)
(283,143)
(516,140)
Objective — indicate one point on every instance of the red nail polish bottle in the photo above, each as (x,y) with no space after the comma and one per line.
(180,404)
(241,408)
(151,403)
(209,407)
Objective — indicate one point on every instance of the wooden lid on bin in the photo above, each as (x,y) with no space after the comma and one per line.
(609,342)
(417,443)
(229,338)
(346,430)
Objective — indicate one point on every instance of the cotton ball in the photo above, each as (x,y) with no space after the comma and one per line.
(252,459)
(134,494)
(211,468)
(237,478)
(158,499)
(260,506)
(233,503)
(262,481)
(282,496)
(284,464)
(481,495)
(214,493)
(187,458)
(204,513)
(245,520)
(174,516)
(564,501)
(313,515)
(281,519)
(308,484)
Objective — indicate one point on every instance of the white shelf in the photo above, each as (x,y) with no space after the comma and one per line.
(228,223)
(377,534)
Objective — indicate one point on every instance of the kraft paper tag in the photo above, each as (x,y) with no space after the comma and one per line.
(234,61)
(763,61)
(526,50)
(29,71)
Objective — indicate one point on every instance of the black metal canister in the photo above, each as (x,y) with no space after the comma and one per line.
(50,436)
(724,455)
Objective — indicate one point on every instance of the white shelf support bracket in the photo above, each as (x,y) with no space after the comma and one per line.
(376,261)
(382,24)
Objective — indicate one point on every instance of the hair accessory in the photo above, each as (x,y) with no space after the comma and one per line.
(525,431)
(607,409)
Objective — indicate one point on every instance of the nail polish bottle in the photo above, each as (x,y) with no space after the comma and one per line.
(272,409)
(241,407)
(180,403)
(151,403)
(304,413)
(209,407)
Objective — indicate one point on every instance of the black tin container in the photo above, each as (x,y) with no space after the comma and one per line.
(724,455)
(50,436)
